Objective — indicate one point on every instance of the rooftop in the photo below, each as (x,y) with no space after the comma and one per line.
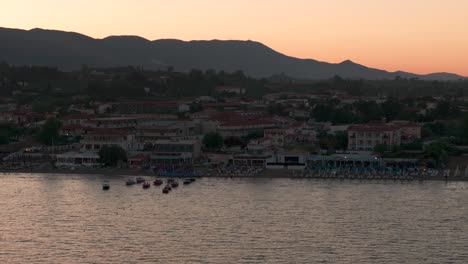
(109,131)
(374,126)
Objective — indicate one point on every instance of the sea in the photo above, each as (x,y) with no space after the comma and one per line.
(61,218)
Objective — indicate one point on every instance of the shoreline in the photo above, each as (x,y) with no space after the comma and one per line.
(266,174)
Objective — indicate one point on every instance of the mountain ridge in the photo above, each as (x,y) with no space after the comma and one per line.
(70,50)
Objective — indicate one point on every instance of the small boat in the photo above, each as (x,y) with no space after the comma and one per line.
(187,181)
(140,180)
(166,190)
(130,182)
(158,182)
(192,179)
(174,184)
(146,185)
(170,180)
(105,186)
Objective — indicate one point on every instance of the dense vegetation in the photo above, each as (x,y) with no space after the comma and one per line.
(51,90)
(113,155)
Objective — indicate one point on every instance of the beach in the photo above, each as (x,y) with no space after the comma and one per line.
(266,173)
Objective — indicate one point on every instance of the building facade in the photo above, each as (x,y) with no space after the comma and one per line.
(367,136)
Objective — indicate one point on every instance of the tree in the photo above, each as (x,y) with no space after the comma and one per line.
(437,151)
(464,128)
(322,112)
(277,109)
(327,141)
(233,141)
(341,139)
(213,140)
(391,108)
(253,135)
(10,132)
(195,107)
(381,148)
(446,109)
(112,155)
(49,132)
(4,139)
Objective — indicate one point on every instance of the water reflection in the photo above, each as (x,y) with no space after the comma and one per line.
(69,219)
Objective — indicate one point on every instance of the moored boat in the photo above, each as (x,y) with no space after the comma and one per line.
(187,181)
(140,180)
(174,184)
(166,190)
(130,182)
(158,182)
(146,185)
(105,186)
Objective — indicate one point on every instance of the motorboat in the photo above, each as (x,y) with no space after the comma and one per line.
(187,181)
(146,185)
(105,186)
(140,180)
(174,184)
(192,179)
(158,182)
(130,182)
(166,190)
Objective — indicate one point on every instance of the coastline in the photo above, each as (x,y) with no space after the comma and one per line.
(286,174)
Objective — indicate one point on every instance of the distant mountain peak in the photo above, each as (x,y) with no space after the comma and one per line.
(125,37)
(347,62)
(69,50)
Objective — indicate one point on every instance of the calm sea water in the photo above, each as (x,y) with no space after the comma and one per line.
(69,219)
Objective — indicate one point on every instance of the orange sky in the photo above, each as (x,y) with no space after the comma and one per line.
(420,36)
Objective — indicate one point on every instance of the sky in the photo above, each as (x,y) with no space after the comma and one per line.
(420,36)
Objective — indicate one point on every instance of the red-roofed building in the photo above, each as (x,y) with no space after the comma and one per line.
(74,130)
(165,130)
(243,128)
(409,131)
(76,119)
(259,146)
(138,160)
(114,122)
(367,136)
(139,107)
(97,138)
(230,90)
(279,135)
(225,106)
(24,117)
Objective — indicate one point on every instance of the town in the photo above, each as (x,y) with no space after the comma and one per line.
(210,123)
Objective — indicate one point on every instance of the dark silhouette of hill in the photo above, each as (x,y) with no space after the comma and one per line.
(68,51)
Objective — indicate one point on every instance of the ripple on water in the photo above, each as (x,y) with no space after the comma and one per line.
(69,219)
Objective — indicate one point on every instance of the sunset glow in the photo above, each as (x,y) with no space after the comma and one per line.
(420,36)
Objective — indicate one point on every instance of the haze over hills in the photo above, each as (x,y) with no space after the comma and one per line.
(68,51)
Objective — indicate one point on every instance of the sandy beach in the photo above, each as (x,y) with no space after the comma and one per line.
(140,172)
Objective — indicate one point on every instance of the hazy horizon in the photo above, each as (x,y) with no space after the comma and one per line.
(421,36)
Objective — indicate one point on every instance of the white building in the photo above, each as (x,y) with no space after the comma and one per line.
(76,159)
(175,152)
(95,139)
